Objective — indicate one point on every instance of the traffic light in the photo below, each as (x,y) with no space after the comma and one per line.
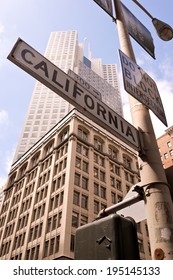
(110,238)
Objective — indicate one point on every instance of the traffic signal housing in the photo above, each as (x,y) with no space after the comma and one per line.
(110,238)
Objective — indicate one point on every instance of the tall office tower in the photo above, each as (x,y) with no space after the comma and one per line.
(61,183)
(47,108)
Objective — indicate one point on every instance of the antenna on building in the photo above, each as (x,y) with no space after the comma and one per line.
(86,44)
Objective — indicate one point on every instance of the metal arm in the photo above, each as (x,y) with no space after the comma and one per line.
(142,8)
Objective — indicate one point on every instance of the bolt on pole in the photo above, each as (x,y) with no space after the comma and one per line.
(157,198)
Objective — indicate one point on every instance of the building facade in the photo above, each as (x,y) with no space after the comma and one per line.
(61,183)
(47,108)
(165,144)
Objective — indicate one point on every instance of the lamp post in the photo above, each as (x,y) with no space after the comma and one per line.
(157,198)
(164,31)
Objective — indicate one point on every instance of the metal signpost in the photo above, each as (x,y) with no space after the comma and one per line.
(54,78)
(158,203)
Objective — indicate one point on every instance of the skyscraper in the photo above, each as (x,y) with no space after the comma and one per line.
(47,108)
(76,169)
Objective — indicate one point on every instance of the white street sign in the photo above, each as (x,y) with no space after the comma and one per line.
(62,84)
(141,86)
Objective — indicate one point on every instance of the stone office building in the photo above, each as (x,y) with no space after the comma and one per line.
(61,183)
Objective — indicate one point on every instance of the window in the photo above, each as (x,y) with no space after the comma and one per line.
(76,196)
(96,207)
(61,198)
(72,243)
(96,189)
(84,183)
(96,158)
(102,176)
(98,144)
(23,170)
(77,179)
(85,151)
(119,198)
(103,192)
(78,162)
(75,219)
(52,243)
(117,170)
(79,148)
(48,224)
(83,134)
(49,148)
(101,161)
(171,152)
(118,185)
(84,202)
(63,179)
(131,178)
(83,220)
(169,144)
(96,172)
(112,181)
(64,135)
(46,247)
(126,176)
(113,197)
(54,222)
(85,166)
(127,161)
(166,155)
(112,153)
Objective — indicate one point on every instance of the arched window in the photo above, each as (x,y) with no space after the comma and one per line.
(113,152)
(98,143)
(23,169)
(48,148)
(83,133)
(35,159)
(11,179)
(64,134)
(127,161)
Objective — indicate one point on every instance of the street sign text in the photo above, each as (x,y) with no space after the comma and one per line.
(54,78)
(141,86)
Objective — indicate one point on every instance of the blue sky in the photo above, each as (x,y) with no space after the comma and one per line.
(33,20)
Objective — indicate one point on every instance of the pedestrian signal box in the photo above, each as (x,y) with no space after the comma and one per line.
(110,238)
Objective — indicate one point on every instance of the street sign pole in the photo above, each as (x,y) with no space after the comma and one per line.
(158,203)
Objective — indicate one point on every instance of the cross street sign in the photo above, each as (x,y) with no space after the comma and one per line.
(62,84)
(106,5)
(138,31)
(141,86)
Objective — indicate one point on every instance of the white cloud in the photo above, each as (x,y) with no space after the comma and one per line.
(2,28)
(4,119)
